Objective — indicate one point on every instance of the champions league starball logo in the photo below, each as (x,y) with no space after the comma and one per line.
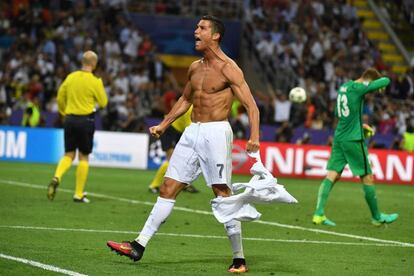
(156,154)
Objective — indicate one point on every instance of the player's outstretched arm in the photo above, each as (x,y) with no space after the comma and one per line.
(378,84)
(242,91)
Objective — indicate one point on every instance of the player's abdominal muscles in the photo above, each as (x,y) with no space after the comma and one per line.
(211,111)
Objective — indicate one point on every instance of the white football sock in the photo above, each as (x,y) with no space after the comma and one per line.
(160,212)
(233,229)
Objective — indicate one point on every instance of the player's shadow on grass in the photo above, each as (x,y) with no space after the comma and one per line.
(262,264)
(267,265)
(182,262)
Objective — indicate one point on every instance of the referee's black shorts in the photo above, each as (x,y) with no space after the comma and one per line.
(170,138)
(79,130)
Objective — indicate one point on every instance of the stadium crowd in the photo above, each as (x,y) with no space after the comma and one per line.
(45,41)
(322,41)
(325,45)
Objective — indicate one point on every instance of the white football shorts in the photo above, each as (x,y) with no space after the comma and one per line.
(206,148)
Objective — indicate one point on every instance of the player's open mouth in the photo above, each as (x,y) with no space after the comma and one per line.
(197,39)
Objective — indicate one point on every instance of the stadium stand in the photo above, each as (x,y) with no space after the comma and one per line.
(313,44)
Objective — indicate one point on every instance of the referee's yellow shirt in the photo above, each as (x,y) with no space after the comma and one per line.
(79,93)
(183,121)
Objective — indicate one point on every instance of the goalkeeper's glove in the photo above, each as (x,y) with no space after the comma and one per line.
(368,131)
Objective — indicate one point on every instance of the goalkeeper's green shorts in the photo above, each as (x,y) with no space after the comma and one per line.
(354,153)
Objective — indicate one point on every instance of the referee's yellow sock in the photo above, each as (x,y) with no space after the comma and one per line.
(159,176)
(64,164)
(81,176)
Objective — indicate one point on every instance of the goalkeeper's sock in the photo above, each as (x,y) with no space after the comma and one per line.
(81,176)
(160,212)
(371,198)
(323,194)
(233,229)
(64,164)
(159,176)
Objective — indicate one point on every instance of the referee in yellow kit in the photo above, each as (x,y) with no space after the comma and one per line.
(77,97)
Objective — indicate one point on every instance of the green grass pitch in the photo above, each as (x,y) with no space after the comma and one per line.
(73,236)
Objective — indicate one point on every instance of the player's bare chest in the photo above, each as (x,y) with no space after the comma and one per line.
(208,79)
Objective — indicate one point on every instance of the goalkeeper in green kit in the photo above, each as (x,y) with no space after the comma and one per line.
(349,146)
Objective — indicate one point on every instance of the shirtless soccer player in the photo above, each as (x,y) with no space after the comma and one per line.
(206,144)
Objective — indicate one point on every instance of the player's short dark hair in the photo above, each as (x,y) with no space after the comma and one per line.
(216,25)
(371,74)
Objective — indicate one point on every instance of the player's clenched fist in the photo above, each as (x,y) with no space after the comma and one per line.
(156,131)
(252,146)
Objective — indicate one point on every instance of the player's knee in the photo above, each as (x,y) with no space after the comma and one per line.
(368,179)
(165,191)
(83,156)
(233,227)
(169,189)
(333,176)
(70,154)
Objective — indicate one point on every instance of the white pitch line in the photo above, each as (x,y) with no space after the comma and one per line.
(41,265)
(334,233)
(406,244)
(196,236)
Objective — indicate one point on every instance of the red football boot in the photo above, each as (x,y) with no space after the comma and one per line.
(238,266)
(132,250)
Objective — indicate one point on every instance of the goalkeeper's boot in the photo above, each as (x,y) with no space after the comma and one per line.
(384,218)
(322,220)
(51,189)
(132,250)
(238,266)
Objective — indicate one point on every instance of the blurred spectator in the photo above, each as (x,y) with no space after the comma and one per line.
(31,113)
(139,80)
(121,82)
(310,112)
(387,123)
(47,45)
(329,47)
(265,46)
(265,106)
(240,124)
(170,98)
(131,122)
(157,72)
(145,47)
(35,87)
(407,141)
(317,121)
(282,108)
(320,42)
(132,43)
(406,89)
(304,140)
(284,133)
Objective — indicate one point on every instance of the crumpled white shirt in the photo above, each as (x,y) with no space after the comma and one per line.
(262,188)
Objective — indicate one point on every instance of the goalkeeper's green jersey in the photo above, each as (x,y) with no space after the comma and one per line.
(349,104)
